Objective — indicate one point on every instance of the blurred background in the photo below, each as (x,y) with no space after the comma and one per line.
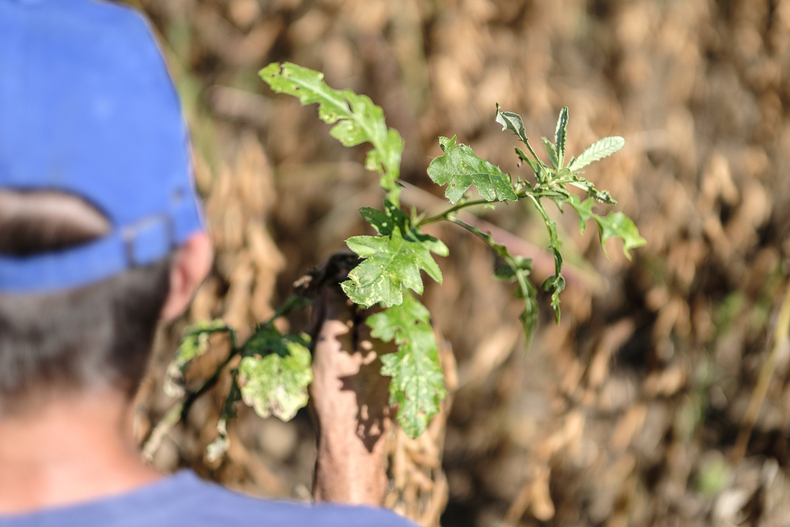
(634,410)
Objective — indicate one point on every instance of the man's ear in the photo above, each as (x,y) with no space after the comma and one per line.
(191,264)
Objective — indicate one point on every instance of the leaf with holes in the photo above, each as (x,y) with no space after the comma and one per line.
(392,264)
(274,374)
(459,168)
(357,120)
(417,380)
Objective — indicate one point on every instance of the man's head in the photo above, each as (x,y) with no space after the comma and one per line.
(100,230)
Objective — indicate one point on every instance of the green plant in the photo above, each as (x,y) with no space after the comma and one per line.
(275,370)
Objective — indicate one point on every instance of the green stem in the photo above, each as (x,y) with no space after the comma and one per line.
(532,151)
(444,215)
(544,215)
(474,230)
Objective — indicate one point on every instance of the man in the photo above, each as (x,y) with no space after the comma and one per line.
(100,239)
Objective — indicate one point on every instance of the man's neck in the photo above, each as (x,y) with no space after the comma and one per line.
(71,449)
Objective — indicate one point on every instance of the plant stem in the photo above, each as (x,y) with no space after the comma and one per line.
(542,212)
(444,215)
(474,230)
(180,409)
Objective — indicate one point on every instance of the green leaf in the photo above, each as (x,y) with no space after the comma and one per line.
(601,195)
(550,152)
(417,380)
(392,264)
(358,119)
(387,221)
(274,374)
(518,270)
(555,283)
(382,222)
(615,225)
(386,159)
(584,210)
(597,151)
(309,87)
(560,136)
(523,157)
(618,225)
(529,316)
(393,260)
(458,168)
(194,345)
(508,271)
(513,122)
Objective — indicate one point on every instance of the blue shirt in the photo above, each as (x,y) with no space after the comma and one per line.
(185,500)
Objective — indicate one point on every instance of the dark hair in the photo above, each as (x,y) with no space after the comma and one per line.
(98,334)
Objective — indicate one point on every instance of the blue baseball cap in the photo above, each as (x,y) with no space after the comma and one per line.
(87,107)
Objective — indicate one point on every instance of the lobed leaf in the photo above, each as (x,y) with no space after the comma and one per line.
(555,284)
(391,265)
(309,87)
(597,151)
(382,222)
(584,210)
(393,260)
(508,271)
(618,225)
(357,119)
(459,168)
(615,225)
(527,292)
(417,380)
(274,375)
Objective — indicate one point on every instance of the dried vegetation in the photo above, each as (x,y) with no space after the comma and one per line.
(629,411)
